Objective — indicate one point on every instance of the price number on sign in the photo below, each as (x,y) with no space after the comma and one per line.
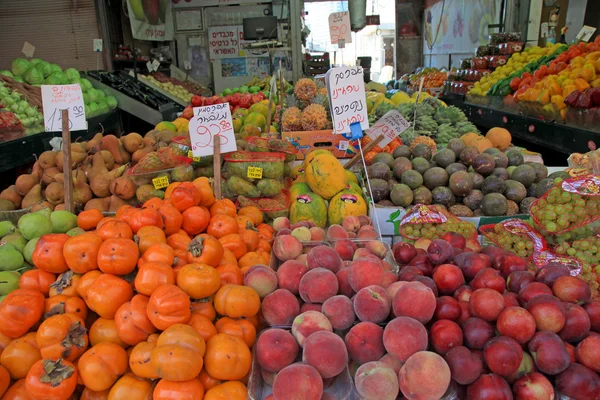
(209,122)
(160,182)
(255,172)
(191,155)
(389,126)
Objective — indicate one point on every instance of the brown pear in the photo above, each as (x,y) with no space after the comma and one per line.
(94,145)
(60,177)
(82,192)
(150,141)
(37,169)
(123,187)
(100,184)
(55,193)
(60,206)
(78,175)
(48,159)
(49,174)
(139,154)
(115,203)
(41,205)
(132,142)
(78,147)
(114,145)
(109,159)
(33,197)
(11,194)
(76,159)
(98,204)
(25,182)
(98,167)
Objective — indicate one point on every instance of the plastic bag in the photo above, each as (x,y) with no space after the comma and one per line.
(514,235)
(432,222)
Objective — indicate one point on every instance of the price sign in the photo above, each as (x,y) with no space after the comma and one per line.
(346,90)
(155,65)
(97,45)
(585,34)
(339,27)
(208,122)
(28,49)
(191,155)
(56,98)
(187,64)
(344,145)
(255,172)
(389,126)
(160,182)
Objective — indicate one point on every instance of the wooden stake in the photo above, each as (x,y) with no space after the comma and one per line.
(366,149)
(280,94)
(217,167)
(68,173)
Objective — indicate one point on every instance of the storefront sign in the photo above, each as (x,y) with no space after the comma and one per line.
(346,89)
(56,98)
(208,122)
(224,41)
(339,27)
(389,126)
(373,20)
(97,45)
(151,20)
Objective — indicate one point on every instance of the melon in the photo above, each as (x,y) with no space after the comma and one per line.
(469,138)
(325,176)
(308,206)
(499,137)
(346,203)
(482,144)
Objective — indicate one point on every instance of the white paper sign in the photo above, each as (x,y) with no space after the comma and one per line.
(208,122)
(187,64)
(389,126)
(224,41)
(97,45)
(56,98)
(585,34)
(155,65)
(346,89)
(28,49)
(339,27)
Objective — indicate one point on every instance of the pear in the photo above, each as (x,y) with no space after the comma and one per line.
(33,197)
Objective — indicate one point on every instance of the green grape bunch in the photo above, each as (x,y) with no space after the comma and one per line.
(522,245)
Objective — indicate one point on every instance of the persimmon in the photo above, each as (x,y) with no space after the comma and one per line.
(203,326)
(237,301)
(62,336)
(106,294)
(206,192)
(266,232)
(118,256)
(81,252)
(195,220)
(179,352)
(19,311)
(102,365)
(89,219)
(144,217)
(158,253)
(85,282)
(251,238)
(114,229)
(51,380)
(205,249)
(133,325)
(205,308)
(241,328)
(208,381)
(227,357)
(4,380)
(139,360)
(186,390)
(232,390)
(149,235)
(16,391)
(38,280)
(198,280)
(172,218)
(105,331)
(4,341)
(168,305)
(48,253)
(235,243)
(179,240)
(66,284)
(88,394)
(223,206)
(61,304)
(130,387)
(230,273)
(228,258)
(151,276)
(244,222)
(252,212)
(185,196)
(221,225)
(20,355)
(155,203)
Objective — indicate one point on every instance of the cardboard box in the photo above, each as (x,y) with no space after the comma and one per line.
(306,141)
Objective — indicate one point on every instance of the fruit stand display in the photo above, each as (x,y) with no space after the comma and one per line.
(286,287)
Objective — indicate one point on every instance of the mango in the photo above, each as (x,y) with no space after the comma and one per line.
(35,224)
(10,258)
(16,240)
(29,249)
(6,228)
(75,231)
(9,281)
(63,221)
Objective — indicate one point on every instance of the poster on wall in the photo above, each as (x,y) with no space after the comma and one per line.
(458,26)
(151,20)
(224,41)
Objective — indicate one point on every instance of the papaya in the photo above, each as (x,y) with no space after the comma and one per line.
(351,176)
(312,154)
(299,188)
(353,187)
(297,171)
(325,176)
(308,206)
(344,204)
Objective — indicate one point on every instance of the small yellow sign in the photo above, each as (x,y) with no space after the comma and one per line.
(191,155)
(255,172)
(160,182)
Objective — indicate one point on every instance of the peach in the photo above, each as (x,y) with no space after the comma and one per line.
(470,264)
(276,349)
(578,382)
(532,290)
(447,308)
(593,310)
(361,252)
(465,366)
(489,278)
(324,257)
(308,323)
(548,311)
(503,355)
(262,279)
(425,375)
(588,352)
(376,380)
(317,285)
(392,362)
(403,337)
(489,386)
(317,234)
(345,249)
(455,239)
(326,352)
(571,290)
(572,352)
(280,223)
(351,223)
(343,284)
(336,232)
(518,280)
(465,314)
(365,342)
(440,252)
(302,233)
(534,386)
(289,275)
(422,243)
(414,300)
(516,323)
(365,234)
(577,324)
(511,263)
(280,307)
(408,273)
(365,220)
(445,335)
(372,303)
(352,235)
(393,288)
(310,307)
(404,252)
(477,333)
(377,247)
(463,293)
(269,377)
(511,299)
(365,272)
(423,264)
(551,272)
(486,304)
(287,247)
(473,245)
(299,224)
(448,278)
(549,353)
(340,312)
(302,258)
(388,278)
(427,281)
(527,366)
(298,382)
(283,232)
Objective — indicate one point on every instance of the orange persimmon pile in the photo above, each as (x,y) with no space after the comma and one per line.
(128,309)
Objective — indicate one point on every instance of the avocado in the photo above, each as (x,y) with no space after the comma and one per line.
(515,158)
(385,158)
(461,183)
(401,151)
(532,190)
(473,200)
(422,150)
(444,196)
(380,189)
(491,151)
(422,195)
(401,165)
(543,186)
(456,145)
(559,174)
(501,160)
(512,208)
(435,177)
(452,168)
(477,180)
(401,195)
(468,155)
(515,191)
(541,172)
(501,173)
(444,157)
(493,184)
(494,204)
(378,170)
(412,179)
(525,174)
(420,165)
(483,164)
(526,204)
